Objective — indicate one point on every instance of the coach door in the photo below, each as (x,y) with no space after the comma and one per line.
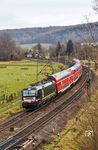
(59,87)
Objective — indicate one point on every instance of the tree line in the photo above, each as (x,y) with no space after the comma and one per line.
(61,49)
(9,50)
(54,50)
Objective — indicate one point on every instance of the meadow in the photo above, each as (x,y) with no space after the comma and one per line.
(16,75)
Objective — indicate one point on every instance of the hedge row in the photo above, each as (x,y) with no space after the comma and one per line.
(5,98)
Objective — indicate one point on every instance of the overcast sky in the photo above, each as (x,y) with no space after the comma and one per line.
(40,13)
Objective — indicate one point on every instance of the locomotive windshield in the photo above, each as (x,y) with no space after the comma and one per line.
(29,93)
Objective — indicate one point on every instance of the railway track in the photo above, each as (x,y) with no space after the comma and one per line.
(13,141)
(11,121)
(21,116)
(14,120)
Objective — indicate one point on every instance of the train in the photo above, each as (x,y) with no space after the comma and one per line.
(36,95)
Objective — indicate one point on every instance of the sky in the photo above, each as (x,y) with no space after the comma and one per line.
(42,13)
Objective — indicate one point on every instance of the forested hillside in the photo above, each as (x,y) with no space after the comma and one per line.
(77,33)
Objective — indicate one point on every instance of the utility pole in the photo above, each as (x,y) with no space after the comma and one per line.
(89,76)
(37,68)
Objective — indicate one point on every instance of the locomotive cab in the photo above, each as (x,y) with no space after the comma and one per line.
(37,95)
(30,96)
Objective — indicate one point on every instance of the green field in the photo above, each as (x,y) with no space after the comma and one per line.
(14,76)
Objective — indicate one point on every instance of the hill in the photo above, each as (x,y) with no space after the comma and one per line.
(77,33)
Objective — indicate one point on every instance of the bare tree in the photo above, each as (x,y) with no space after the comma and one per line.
(8,49)
(95,5)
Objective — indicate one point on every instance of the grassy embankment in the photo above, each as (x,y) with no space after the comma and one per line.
(81,132)
(75,135)
(14,76)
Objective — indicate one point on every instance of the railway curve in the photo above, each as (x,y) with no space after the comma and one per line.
(13,142)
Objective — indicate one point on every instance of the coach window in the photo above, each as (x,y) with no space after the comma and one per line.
(71,78)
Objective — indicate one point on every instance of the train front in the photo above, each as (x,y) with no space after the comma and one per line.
(29,100)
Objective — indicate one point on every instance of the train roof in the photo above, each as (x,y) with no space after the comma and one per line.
(77,64)
(60,75)
(39,85)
